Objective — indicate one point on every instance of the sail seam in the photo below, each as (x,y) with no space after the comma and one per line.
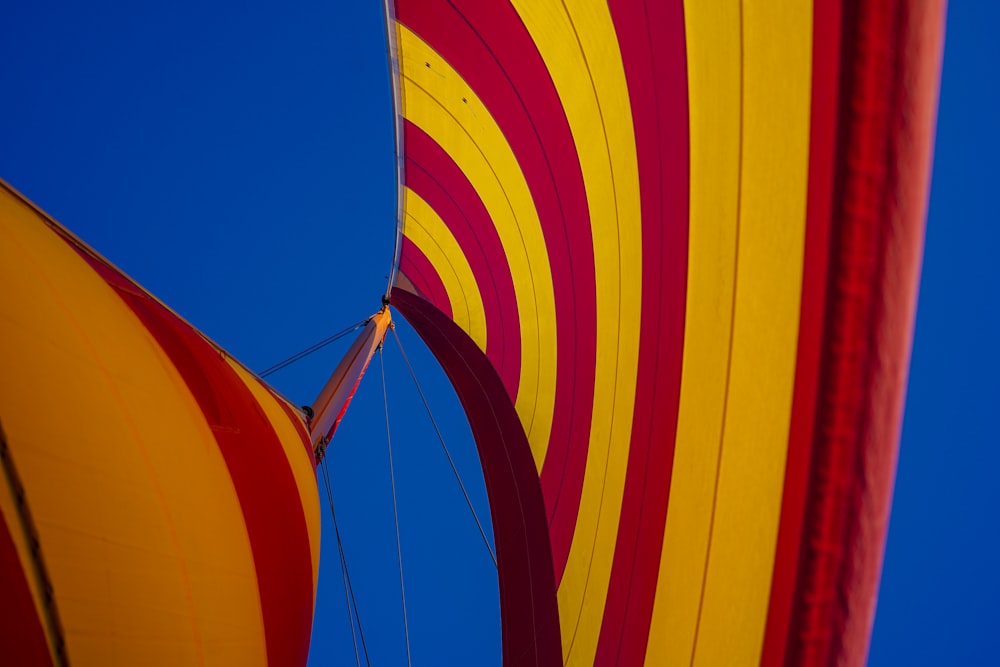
(52,620)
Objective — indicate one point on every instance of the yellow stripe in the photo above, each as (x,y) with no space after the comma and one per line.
(580,49)
(713,55)
(298,459)
(437,100)
(733,504)
(777,50)
(425,228)
(119,467)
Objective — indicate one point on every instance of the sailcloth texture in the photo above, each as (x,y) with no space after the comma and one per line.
(158,502)
(667,253)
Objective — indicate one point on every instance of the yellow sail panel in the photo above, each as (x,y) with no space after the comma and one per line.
(771,232)
(713,43)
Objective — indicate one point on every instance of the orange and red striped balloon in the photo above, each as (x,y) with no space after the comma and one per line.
(667,252)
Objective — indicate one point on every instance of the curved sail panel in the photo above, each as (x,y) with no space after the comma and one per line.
(673,279)
(159,502)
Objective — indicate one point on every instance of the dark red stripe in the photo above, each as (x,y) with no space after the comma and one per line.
(888,90)
(262,477)
(652,43)
(819,202)
(919,49)
(22,635)
(432,174)
(528,610)
(419,270)
(489,46)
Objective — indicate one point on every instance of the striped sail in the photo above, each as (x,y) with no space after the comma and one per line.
(667,253)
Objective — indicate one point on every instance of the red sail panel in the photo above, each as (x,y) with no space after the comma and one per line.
(22,633)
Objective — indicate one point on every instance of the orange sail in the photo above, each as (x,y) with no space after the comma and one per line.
(667,253)
(158,502)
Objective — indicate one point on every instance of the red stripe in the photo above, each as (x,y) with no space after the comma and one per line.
(889,75)
(489,46)
(419,270)
(528,610)
(919,49)
(262,477)
(300,426)
(653,49)
(432,174)
(22,636)
(819,202)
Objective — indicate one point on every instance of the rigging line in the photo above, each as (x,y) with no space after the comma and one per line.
(395,511)
(451,461)
(343,568)
(270,370)
(348,587)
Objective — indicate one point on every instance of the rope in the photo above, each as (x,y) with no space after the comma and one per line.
(451,461)
(352,605)
(270,370)
(343,569)
(395,511)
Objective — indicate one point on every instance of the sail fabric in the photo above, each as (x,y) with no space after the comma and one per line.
(158,502)
(667,253)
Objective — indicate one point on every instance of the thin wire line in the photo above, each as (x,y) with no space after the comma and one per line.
(270,370)
(451,461)
(352,605)
(343,570)
(395,511)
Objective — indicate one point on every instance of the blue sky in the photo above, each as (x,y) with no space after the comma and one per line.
(237,161)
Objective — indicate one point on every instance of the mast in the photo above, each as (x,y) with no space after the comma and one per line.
(336,395)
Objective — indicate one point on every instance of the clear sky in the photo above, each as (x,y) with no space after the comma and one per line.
(236,159)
